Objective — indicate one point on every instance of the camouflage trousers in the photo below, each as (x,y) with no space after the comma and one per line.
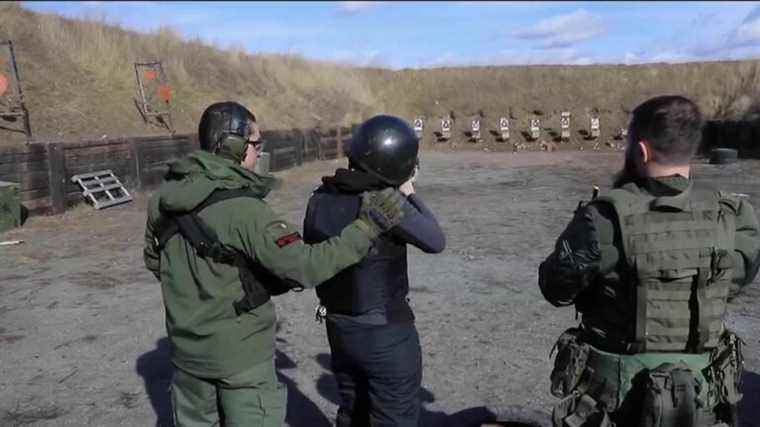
(252,398)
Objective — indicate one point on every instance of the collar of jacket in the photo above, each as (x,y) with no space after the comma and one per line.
(193,178)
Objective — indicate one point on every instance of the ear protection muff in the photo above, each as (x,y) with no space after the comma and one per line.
(232,147)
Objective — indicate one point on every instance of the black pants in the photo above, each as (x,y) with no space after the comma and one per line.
(379,373)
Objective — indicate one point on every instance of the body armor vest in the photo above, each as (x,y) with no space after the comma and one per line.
(678,250)
(379,283)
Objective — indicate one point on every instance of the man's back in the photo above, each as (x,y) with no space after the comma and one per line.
(199,293)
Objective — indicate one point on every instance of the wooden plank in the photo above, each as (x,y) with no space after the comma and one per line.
(36,194)
(31,154)
(135,151)
(57,177)
(339,141)
(37,206)
(172,145)
(73,153)
(153,159)
(21,148)
(84,160)
(176,148)
(99,142)
(24,167)
(28,181)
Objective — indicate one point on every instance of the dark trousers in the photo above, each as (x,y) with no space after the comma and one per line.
(379,373)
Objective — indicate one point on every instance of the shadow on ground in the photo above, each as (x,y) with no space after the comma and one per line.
(156,371)
(328,388)
(155,368)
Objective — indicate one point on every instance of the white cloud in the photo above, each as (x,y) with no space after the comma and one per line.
(351,8)
(361,58)
(553,56)
(564,30)
(631,58)
(95,4)
(748,32)
(709,38)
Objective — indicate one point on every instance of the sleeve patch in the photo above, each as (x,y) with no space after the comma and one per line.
(288,239)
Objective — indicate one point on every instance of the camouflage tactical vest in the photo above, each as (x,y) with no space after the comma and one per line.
(679,253)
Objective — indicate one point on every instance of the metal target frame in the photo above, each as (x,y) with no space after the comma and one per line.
(14,106)
(144,105)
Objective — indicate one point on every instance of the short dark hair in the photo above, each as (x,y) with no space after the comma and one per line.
(672,125)
(223,118)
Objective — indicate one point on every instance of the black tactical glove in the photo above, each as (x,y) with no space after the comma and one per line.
(382,210)
(575,262)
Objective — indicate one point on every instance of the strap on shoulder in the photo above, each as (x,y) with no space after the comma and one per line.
(195,230)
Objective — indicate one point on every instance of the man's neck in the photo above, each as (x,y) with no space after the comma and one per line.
(655,170)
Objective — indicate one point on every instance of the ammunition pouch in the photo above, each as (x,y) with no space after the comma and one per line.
(725,370)
(578,410)
(259,285)
(569,363)
(571,379)
(670,397)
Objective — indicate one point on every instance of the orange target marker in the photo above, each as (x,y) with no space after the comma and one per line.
(165,93)
(150,74)
(3,84)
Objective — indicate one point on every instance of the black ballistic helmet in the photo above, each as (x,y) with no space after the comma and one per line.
(221,121)
(386,147)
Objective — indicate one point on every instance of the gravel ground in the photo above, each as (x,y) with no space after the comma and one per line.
(82,338)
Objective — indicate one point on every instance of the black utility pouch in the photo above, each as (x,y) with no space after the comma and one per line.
(670,397)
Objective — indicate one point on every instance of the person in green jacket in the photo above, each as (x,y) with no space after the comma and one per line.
(220,252)
(650,266)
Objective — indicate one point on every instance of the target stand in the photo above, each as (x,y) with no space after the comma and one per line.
(445,129)
(12,106)
(504,129)
(475,130)
(535,129)
(564,122)
(419,127)
(155,93)
(594,125)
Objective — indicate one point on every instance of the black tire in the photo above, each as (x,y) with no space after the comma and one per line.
(723,156)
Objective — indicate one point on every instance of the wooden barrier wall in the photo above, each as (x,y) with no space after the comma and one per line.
(43,170)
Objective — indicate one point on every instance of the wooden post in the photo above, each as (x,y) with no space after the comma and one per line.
(57,177)
(339,146)
(137,163)
(299,139)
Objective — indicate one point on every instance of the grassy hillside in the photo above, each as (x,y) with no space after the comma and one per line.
(79,82)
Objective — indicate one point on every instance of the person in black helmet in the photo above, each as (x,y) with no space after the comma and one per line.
(376,355)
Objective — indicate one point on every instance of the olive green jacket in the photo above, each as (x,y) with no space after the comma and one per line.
(208,338)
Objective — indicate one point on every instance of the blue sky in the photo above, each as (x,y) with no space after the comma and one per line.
(428,34)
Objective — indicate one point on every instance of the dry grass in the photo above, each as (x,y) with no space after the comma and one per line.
(79,81)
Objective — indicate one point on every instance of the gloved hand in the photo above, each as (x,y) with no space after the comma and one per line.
(381,210)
